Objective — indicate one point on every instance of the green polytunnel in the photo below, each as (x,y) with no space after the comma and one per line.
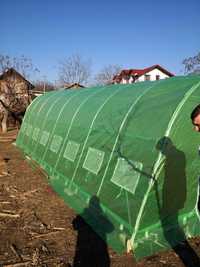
(124,157)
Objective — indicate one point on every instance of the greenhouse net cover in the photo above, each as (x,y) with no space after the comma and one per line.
(124,157)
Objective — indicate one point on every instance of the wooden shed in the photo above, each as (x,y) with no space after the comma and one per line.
(15,95)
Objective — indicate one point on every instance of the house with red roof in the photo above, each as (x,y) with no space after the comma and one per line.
(153,73)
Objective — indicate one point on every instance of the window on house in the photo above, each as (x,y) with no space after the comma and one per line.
(147,77)
(157,77)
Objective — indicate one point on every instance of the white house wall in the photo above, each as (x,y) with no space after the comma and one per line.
(153,74)
(123,81)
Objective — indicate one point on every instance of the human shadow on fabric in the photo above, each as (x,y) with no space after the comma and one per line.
(91,249)
(174,193)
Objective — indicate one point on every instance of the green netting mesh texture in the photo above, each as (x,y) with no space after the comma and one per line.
(124,157)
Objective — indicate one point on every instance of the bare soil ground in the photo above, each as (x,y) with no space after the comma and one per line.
(36,226)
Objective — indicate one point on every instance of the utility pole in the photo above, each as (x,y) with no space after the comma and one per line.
(44,85)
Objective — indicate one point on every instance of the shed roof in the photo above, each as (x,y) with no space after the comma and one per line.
(12,71)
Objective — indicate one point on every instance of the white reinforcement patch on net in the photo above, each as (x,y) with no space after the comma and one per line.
(36,134)
(71,151)
(93,160)
(126,174)
(56,143)
(44,138)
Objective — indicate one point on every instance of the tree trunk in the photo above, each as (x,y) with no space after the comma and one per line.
(4,122)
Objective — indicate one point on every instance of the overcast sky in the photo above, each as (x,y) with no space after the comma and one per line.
(134,34)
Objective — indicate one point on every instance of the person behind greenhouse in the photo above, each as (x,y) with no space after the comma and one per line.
(195,117)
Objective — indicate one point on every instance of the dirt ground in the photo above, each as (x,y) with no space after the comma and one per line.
(38,229)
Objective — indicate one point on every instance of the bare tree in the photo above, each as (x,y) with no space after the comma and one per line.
(43,86)
(74,70)
(21,64)
(106,75)
(192,64)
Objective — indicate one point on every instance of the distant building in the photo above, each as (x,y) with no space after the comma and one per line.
(73,86)
(42,87)
(153,73)
(41,91)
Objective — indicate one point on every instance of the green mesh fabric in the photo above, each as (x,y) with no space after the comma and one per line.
(124,157)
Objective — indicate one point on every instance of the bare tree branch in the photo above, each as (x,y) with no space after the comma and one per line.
(106,75)
(43,85)
(192,64)
(21,64)
(74,70)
